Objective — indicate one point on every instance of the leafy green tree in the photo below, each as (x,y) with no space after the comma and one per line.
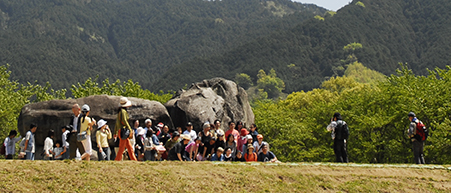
(13,96)
(376,114)
(243,80)
(117,88)
(363,74)
(270,83)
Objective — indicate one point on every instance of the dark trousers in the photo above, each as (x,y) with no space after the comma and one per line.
(418,154)
(107,152)
(341,154)
(74,145)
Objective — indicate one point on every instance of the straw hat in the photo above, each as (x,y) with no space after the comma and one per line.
(124,102)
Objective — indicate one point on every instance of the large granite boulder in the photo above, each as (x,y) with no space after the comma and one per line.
(209,100)
(56,113)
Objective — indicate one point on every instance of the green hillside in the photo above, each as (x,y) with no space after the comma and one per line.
(68,41)
(415,32)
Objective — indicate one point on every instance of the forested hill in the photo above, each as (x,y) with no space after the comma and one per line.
(417,32)
(67,41)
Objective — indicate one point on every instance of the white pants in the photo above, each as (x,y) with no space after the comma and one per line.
(87,145)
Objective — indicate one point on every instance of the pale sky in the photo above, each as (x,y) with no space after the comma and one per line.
(333,5)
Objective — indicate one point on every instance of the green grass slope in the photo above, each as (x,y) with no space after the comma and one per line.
(70,176)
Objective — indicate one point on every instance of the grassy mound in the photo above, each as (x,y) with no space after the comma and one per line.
(126,176)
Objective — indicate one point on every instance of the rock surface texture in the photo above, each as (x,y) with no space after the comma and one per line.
(209,100)
(57,113)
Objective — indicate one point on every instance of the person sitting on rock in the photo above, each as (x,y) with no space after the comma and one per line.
(218,156)
(189,131)
(164,135)
(217,129)
(228,154)
(206,138)
(250,155)
(266,155)
(232,131)
(242,139)
(258,144)
(220,141)
(178,153)
(239,157)
(231,143)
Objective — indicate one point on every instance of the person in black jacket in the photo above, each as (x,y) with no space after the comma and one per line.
(178,153)
(340,133)
(75,126)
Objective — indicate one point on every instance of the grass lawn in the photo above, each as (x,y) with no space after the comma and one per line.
(128,176)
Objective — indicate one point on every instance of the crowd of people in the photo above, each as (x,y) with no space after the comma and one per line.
(150,143)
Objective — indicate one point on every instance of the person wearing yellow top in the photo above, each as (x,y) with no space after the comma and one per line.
(121,122)
(86,124)
(102,136)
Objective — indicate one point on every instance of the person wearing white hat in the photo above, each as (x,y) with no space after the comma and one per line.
(122,122)
(140,137)
(102,136)
(86,124)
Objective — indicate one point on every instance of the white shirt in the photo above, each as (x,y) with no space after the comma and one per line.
(258,147)
(10,145)
(75,122)
(192,134)
(48,146)
(65,143)
(30,137)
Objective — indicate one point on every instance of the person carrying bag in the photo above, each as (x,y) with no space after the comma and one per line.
(124,131)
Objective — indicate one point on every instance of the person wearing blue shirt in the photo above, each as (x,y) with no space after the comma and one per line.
(218,156)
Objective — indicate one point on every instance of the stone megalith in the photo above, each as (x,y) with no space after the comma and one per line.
(211,99)
(55,114)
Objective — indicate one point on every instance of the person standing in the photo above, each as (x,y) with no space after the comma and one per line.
(217,129)
(30,143)
(86,124)
(48,146)
(253,132)
(10,144)
(122,122)
(102,137)
(65,141)
(340,133)
(416,136)
(74,144)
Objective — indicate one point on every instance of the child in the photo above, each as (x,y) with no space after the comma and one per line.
(149,147)
(218,156)
(192,148)
(59,150)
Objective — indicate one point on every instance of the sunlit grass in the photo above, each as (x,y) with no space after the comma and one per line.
(126,176)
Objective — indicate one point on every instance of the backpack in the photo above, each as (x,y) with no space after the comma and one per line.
(22,143)
(3,149)
(341,130)
(422,132)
